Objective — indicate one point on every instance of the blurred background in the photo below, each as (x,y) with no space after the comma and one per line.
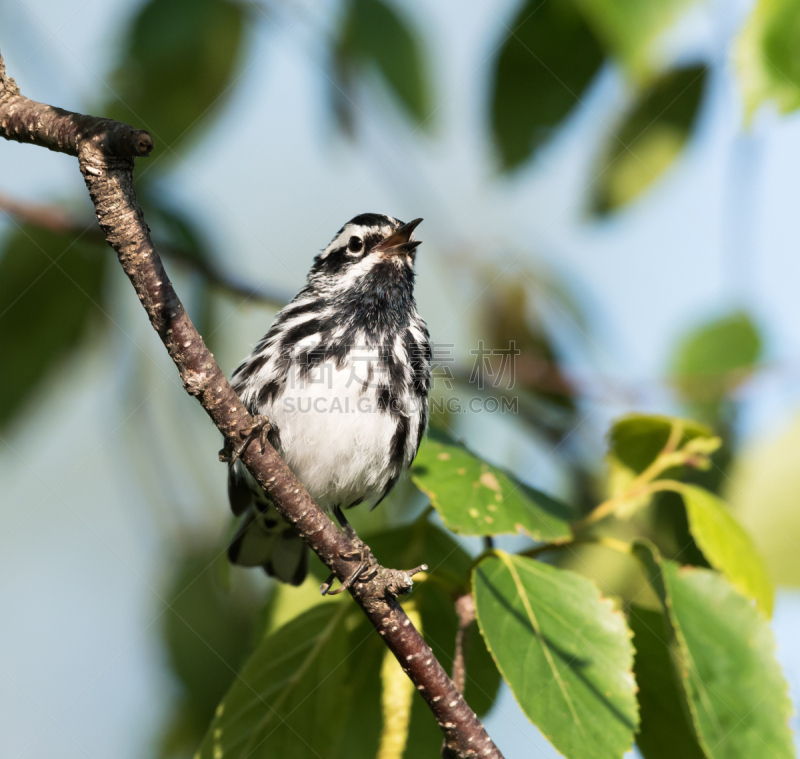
(610,185)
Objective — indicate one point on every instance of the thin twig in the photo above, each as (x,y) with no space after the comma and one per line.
(57,220)
(465,610)
(106,150)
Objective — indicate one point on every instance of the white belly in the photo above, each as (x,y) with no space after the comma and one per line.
(333,435)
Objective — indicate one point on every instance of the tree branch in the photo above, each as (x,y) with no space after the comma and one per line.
(106,150)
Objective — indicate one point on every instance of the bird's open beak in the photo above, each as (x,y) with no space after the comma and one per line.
(400,242)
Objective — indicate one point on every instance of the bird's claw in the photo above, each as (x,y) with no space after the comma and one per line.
(398,582)
(259,429)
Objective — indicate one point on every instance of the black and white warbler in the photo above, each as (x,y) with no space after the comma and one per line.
(339,386)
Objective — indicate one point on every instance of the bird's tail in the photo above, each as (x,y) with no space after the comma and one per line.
(265,539)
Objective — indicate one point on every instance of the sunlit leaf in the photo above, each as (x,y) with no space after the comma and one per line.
(547,59)
(375,36)
(634,443)
(666,730)
(766,56)
(630,27)
(50,291)
(712,360)
(727,546)
(397,694)
(475,498)
(651,136)
(635,440)
(724,653)
(303,674)
(565,653)
(176,68)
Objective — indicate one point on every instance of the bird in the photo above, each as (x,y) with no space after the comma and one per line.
(339,387)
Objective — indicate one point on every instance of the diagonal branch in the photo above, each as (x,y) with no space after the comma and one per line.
(106,150)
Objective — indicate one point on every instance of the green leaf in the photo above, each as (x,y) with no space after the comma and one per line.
(652,135)
(176,68)
(666,730)
(374,35)
(727,546)
(50,288)
(766,56)
(475,498)
(397,698)
(724,652)
(712,360)
(207,632)
(304,674)
(635,440)
(629,28)
(563,650)
(547,60)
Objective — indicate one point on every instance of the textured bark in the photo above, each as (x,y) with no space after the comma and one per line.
(106,150)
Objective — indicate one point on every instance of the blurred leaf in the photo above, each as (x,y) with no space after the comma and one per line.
(563,650)
(666,730)
(727,546)
(288,601)
(397,694)
(762,491)
(179,229)
(547,60)
(50,287)
(635,440)
(509,321)
(208,633)
(652,135)
(766,56)
(303,674)
(363,693)
(725,655)
(475,498)
(629,28)
(712,360)
(374,35)
(176,67)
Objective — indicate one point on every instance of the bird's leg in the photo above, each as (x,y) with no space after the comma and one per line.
(259,429)
(395,582)
(363,555)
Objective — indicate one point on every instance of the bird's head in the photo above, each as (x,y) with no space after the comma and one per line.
(370,249)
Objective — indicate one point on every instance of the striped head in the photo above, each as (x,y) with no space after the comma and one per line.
(368,251)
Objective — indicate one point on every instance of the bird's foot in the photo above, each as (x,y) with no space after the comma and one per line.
(259,429)
(394,582)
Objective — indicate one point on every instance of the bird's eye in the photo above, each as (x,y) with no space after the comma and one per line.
(356,245)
